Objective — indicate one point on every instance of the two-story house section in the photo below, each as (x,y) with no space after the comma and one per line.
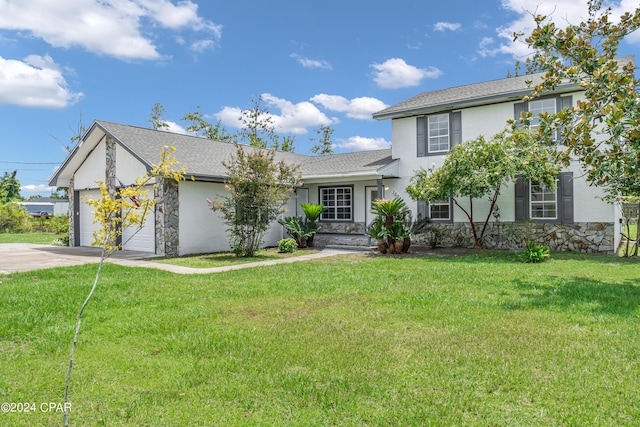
(424,129)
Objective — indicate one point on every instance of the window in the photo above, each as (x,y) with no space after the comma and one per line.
(537,202)
(437,133)
(541,106)
(543,202)
(339,203)
(440,210)
(437,211)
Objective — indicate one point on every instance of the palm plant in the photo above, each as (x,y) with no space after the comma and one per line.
(299,229)
(392,210)
(312,212)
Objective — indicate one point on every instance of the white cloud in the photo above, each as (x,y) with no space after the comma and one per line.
(287,117)
(37,189)
(360,143)
(173,127)
(311,63)
(357,108)
(396,73)
(34,82)
(442,26)
(200,46)
(109,27)
(562,12)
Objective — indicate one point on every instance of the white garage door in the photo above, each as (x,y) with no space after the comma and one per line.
(144,239)
(87,227)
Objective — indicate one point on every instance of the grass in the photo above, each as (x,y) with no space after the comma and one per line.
(470,340)
(40,237)
(227,258)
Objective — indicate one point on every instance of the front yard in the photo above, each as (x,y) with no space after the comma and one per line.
(475,339)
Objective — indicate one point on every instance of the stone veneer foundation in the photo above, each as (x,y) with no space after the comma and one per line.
(576,237)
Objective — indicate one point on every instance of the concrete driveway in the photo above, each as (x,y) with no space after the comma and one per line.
(16,257)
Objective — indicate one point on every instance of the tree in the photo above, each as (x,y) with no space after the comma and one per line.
(480,168)
(156,120)
(323,141)
(602,131)
(9,188)
(259,128)
(201,127)
(258,188)
(115,210)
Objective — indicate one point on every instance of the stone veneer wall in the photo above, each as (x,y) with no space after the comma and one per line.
(341,233)
(167,218)
(577,237)
(72,214)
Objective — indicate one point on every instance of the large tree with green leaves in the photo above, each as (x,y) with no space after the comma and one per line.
(258,188)
(602,131)
(9,188)
(202,127)
(323,144)
(480,168)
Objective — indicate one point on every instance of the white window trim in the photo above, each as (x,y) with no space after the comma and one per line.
(446,203)
(532,202)
(537,115)
(329,208)
(429,137)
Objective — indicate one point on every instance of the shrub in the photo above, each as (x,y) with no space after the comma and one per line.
(287,246)
(14,219)
(534,252)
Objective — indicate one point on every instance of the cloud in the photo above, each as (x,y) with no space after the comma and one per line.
(443,26)
(360,143)
(34,82)
(112,27)
(357,108)
(562,12)
(37,189)
(287,117)
(311,63)
(200,46)
(173,127)
(396,73)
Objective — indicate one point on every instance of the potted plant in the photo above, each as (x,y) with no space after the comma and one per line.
(392,210)
(312,212)
(378,231)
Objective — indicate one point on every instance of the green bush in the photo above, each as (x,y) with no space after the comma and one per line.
(14,219)
(534,252)
(287,246)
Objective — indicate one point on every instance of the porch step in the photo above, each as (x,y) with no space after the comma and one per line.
(350,247)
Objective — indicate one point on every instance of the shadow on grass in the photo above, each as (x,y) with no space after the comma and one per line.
(579,294)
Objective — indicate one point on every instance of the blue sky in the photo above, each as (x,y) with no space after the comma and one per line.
(314,63)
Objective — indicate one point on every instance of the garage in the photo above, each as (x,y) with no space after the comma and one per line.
(143,240)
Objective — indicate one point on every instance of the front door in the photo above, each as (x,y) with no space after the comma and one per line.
(371,195)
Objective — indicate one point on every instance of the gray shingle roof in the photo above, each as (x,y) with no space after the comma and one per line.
(511,88)
(203,157)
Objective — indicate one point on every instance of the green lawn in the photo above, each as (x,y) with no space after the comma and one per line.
(473,340)
(42,238)
(228,258)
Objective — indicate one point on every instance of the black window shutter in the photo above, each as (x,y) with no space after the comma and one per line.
(456,128)
(521,199)
(565,193)
(518,109)
(562,102)
(422,136)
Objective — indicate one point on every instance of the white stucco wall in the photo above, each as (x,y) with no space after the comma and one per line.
(488,120)
(128,168)
(202,230)
(92,169)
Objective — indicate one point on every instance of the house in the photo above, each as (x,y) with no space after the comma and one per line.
(425,127)
(571,217)
(182,222)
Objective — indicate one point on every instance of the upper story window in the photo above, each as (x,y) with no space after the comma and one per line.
(339,203)
(437,133)
(541,106)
